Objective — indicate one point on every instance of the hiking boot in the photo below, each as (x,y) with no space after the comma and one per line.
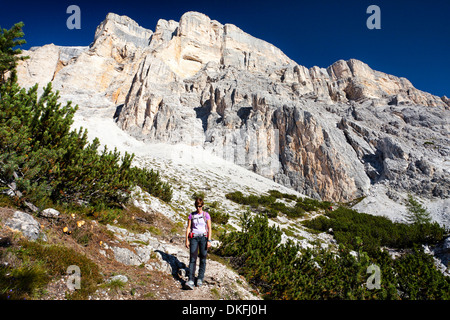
(190,285)
(199,282)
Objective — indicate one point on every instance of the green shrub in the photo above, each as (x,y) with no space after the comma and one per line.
(286,271)
(35,264)
(276,194)
(266,200)
(418,278)
(150,182)
(256,239)
(270,212)
(21,282)
(375,231)
(289,196)
(295,212)
(308,204)
(49,162)
(270,206)
(218,216)
(235,196)
(279,195)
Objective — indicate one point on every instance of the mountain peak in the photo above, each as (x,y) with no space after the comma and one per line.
(123,28)
(358,81)
(187,46)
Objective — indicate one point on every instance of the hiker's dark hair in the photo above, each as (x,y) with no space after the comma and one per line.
(198,202)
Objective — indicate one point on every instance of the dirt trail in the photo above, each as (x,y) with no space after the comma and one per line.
(155,276)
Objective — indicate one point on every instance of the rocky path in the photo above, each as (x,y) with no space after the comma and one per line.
(172,258)
(148,265)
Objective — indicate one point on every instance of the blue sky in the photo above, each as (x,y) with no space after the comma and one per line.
(414,40)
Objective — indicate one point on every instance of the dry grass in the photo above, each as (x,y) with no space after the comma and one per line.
(45,263)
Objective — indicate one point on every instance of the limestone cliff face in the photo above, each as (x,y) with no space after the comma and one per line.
(109,65)
(44,63)
(329,133)
(93,76)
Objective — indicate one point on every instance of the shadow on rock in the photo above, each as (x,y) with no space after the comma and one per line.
(179,271)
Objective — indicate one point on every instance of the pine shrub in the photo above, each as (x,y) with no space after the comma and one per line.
(218,216)
(150,181)
(269,205)
(375,231)
(48,161)
(287,271)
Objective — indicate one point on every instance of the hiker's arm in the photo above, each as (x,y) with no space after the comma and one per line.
(188,229)
(208,224)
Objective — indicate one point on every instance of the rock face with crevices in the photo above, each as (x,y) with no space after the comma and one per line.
(329,133)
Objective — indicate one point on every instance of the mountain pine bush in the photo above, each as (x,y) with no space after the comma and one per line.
(150,181)
(269,206)
(416,212)
(375,231)
(287,271)
(9,51)
(48,161)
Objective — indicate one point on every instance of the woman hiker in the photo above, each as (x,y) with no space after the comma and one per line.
(198,241)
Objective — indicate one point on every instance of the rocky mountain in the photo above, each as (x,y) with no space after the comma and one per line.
(338,133)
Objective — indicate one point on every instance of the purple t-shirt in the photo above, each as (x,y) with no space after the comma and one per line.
(198,224)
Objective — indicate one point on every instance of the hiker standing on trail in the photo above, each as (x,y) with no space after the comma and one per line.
(198,241)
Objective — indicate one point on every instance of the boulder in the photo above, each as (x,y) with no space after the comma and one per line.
(25,223)
(126,256)
(50,213)
(119,277)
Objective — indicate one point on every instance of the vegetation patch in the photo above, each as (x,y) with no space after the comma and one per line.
(348,226)
(268,204)
(34,264)
(287,271)
(218,216)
